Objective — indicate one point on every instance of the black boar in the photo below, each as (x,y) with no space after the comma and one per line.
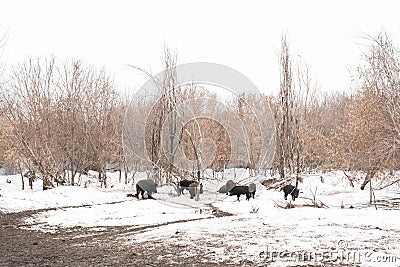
(292,190)
(252,189)
(184,184)
(240,190)
(145,186)
(192,189)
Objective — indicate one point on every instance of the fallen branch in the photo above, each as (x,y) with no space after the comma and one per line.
(279,205)
(320,205)
(383,187)
(279,184)
(285,205)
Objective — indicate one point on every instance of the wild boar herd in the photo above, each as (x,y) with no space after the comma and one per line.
(230,188)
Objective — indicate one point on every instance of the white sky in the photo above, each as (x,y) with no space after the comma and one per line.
(244,35)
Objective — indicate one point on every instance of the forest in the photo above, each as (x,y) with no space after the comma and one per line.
(62,118)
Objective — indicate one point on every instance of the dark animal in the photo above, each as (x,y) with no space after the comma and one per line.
(227,186)
(192,189)
(59,181)
(222,189)
(252,189)
(240,190)
(184,184)
(147,186)
(292,190)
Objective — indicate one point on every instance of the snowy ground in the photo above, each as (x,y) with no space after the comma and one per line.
(258,232)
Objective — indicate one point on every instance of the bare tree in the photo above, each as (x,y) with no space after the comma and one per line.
(161,126)
(31,112)
(285,120)
(63,118)
(379,106)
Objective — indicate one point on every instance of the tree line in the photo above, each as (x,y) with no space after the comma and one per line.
(60,119)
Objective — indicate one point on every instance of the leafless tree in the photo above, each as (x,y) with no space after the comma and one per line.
(379,100)
(285,120)
(63,118)
(31,111)
(161,127)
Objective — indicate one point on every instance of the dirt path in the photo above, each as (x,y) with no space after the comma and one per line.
(102,246)
(80,246)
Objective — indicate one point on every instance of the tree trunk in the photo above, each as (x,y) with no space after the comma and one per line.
(22,177)
(368,177)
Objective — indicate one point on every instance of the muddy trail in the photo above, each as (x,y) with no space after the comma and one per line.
(79,246)
(21,245)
